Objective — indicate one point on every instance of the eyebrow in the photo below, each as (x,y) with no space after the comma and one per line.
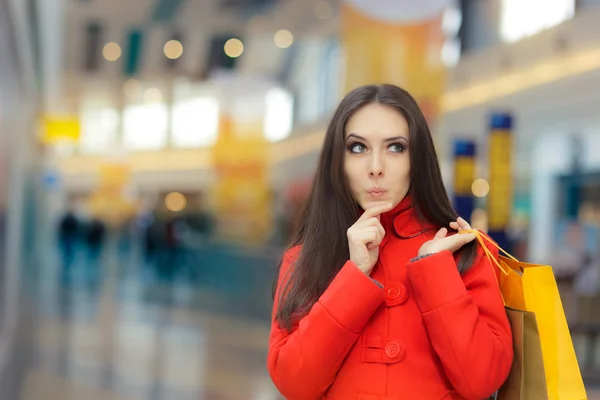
(391,139)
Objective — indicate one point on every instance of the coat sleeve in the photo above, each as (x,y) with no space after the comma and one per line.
(303,362)
(466,321)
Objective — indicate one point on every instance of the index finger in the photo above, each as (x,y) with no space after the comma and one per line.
(375,211)
(463,224)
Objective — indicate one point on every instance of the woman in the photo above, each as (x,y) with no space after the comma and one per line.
(374,299)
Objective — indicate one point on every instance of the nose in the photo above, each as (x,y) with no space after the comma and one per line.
(376,167)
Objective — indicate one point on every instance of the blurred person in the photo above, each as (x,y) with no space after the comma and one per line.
(570,251)
(146,223)
(585,286)
(168,264)
(375,297)
(206,225)
(94,239)
(124,234)
(586,266)
(283,222)
(68,235)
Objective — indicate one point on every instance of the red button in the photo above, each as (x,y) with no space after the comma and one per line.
(393,293)
(392,349)
(396,295)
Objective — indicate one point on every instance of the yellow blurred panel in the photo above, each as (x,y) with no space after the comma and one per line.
(242,189)
(499,200)
(464,175)
(60,129)
(404,53)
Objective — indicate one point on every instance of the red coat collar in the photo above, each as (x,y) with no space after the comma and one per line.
(404,220)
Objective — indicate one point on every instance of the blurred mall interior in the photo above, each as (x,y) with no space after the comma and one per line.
(154,156)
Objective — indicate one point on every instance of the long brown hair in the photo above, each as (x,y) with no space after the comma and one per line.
(331,209)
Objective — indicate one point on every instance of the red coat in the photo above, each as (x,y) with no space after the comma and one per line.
(428,334)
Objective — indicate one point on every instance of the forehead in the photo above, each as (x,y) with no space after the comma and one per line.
(377,120)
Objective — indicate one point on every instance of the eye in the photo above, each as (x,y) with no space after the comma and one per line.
(397,147)
(357,148)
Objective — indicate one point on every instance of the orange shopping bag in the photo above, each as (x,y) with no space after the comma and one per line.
(544,353)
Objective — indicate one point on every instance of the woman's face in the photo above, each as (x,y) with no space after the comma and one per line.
(376,161)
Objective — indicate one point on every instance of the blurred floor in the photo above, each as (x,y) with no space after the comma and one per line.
(116,331)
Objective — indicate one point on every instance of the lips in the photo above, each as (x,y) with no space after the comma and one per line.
(377,192)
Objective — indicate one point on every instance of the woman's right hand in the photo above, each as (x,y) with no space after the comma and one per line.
(365,236)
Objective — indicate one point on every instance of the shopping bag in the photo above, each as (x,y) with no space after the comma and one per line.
(527,379)
(540,291)
(532,289)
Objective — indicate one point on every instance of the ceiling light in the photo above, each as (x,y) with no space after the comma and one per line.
(111,51)
(131,87)
(175,201)
(173,49)
(480,187)
(234,48)
(283,39)
(152,95)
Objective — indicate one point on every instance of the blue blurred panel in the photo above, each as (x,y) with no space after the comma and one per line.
(51,179)
(501,237)
(246,7)
(135,42)
(464,174)
(464,206)
(503,121)
(464,148)
(165,10)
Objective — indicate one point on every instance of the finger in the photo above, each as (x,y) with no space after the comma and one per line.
(463,224)
(371,239)
(379,236)
(455,242)
(372,245)
(371,222)
(381,231)
(441,233)
(375,211)
(368,235)
(454,225)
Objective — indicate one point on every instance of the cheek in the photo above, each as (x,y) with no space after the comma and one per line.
(402,172)
(352,170)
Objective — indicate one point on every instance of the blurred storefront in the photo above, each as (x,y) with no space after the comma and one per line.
(18,203)
(542,73)
(218,129)
(465,59)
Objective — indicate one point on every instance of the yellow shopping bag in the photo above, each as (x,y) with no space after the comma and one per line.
(531,288)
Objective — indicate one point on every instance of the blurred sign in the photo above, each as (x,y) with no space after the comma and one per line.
(58,129)
(51,179)
(396,42)
(464,166)
(395,11)
(464,175)
(109,201)
(242,189)
(500,197)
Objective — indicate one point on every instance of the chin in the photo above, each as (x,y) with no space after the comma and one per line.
(371,202)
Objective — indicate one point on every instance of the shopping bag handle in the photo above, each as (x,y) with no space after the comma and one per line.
(480,238)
